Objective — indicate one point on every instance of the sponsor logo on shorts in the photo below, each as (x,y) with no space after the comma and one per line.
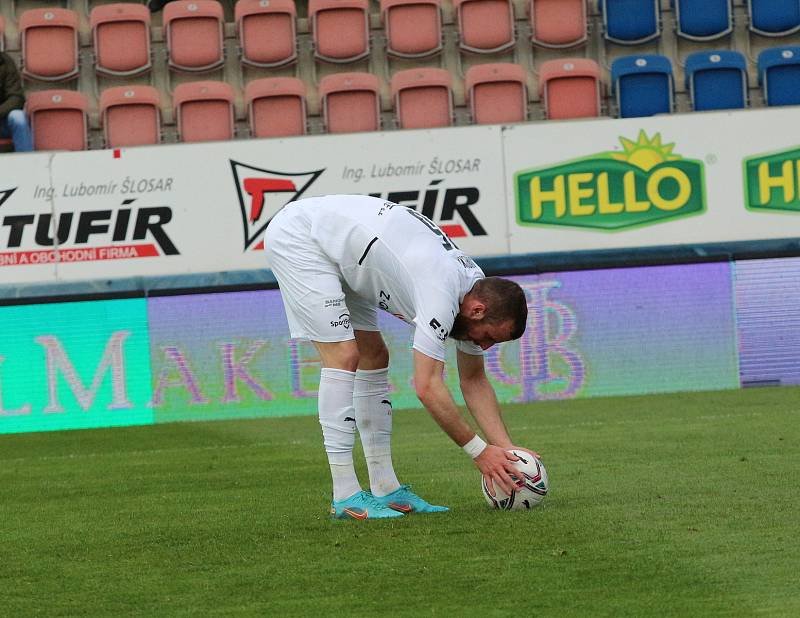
(344,320)
(333,302)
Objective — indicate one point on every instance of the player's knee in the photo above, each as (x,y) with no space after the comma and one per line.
(339,355)
(375,358)
(372,350)
(347,358)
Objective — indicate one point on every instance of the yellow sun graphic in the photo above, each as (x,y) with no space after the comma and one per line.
(645,153)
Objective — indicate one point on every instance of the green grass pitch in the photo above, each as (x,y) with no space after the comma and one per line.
(675,505)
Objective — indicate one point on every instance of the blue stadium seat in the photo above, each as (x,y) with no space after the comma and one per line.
(703,20)
(716,80)
(774,17)
(630,22)
(642,85)
(779,75)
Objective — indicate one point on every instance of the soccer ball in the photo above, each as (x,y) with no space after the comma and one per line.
(536,485)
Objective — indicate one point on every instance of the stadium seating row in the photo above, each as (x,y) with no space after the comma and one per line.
(632,22)
(422,98)
(270,34)
(276,107)
(643,85)
(267,31)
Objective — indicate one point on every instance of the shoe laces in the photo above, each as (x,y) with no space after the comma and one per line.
(371,500)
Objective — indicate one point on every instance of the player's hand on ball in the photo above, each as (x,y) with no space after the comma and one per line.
(527,450)
(497,464)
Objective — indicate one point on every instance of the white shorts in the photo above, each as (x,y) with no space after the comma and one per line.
(319,304)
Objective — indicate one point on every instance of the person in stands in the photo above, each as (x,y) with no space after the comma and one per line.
(13,120)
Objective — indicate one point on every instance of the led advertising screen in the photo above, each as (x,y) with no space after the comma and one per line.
(228,355)
(768,316)
(74,365)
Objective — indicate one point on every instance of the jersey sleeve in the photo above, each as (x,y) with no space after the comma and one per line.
(437,296)
(430,335)
(434,320)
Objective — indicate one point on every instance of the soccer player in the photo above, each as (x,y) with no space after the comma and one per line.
(339,258)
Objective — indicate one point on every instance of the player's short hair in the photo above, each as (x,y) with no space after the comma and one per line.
(505,300)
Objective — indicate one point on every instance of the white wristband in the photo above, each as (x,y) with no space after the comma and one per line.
(474,447)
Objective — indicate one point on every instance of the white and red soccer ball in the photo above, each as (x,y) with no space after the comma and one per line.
(533,473)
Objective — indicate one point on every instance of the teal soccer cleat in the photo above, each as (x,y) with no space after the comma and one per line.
(406,501)
(362,505)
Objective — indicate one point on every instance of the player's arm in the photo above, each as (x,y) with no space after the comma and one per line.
(493,461)
(482,401)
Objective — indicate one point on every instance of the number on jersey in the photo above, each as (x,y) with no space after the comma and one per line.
(448,244)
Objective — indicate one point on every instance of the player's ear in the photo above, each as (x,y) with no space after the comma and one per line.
(478,310)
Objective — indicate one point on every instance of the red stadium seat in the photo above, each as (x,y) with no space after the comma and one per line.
(558,23)
(497,93)
(570,88)
(340,29)
(121,36)
(131,116)
(58,119)
(194,34)
(204,111)
(423,98)
(276,106)
(350,102)
(49,44)
(267,32)
(413,27)
(485,26)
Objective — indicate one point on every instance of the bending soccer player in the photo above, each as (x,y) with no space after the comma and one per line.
(337,260)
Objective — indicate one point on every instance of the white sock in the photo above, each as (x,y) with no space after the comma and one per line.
(337,418)
(374,420)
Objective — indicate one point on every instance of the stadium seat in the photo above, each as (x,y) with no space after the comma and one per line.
(267,32)
(423,98)
(630,22)
(121,37)
(130,115)
(485,26)
(642,85)
(350,102)
(340,29)
(779,75)
(774,17)
(276,106)
(194,34)
(557,24)
(49,44)
(716,80)
(703,20)
(204,111)
(58,119)
(570,88)
(496,93)
(413,27)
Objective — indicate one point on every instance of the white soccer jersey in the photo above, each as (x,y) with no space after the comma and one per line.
(399,260)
